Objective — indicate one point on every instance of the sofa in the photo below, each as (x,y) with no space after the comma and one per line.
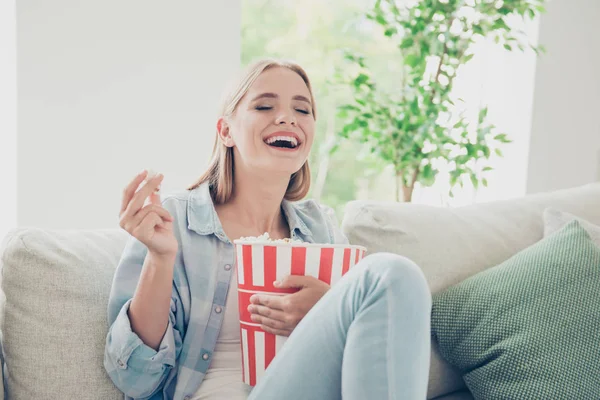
(55,283)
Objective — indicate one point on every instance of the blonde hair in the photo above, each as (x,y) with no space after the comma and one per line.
(219,173)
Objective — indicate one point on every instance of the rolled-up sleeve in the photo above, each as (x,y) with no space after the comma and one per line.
(136,369)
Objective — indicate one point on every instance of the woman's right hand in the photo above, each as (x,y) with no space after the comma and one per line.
(148,222)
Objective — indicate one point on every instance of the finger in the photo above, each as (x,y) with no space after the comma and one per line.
(267,312)
(140,196)
(270,323)
(130,189)
(155,198)
(273,302)
(295,281)
(151,208)
(278,332)
(147,224)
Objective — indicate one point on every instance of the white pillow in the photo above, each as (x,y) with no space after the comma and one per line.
(555,219)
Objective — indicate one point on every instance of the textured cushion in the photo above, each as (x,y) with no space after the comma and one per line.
(451,244)
(461,395)
(54,324)
(527,328)
(555,219)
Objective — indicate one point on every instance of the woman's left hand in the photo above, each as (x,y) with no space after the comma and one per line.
(279,315)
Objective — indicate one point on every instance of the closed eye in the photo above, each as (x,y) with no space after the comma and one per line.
(263,108)
(303,111)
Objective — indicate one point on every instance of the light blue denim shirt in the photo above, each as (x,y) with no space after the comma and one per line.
(203,268)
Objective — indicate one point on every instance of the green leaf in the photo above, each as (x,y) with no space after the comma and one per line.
(485,169)
(474,181)
(484,182)
(468,58)
(427,176)
(508,47)
(412,60)
(482,114)
(414,106)
(499,152)
(500,24)
(360,79)
(390,31)
(406,43)
(477,29)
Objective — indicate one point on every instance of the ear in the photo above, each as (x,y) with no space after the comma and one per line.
(224,132)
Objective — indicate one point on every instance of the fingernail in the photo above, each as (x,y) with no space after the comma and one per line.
(250,308)
(142,172)
(276,283)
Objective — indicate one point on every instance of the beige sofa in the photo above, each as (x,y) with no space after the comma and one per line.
(55,284)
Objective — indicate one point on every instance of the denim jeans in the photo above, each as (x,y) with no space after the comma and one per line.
(368,338)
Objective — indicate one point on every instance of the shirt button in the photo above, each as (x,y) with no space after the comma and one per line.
(120,363)
(205,356)
(188,397)
(218,309)
(227,267)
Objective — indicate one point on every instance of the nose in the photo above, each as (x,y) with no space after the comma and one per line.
(285,118)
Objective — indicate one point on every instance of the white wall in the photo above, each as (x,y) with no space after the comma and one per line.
(565,141)
(8,117)
(107,88)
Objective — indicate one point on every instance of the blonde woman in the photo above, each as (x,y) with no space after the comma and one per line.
(173,310)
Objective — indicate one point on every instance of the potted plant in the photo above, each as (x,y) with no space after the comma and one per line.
(415,126)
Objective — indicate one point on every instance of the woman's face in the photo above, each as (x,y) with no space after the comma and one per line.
(272,130)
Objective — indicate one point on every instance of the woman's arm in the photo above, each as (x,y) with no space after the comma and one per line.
(149,309)
(137,368)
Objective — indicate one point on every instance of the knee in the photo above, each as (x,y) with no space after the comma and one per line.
(395,270)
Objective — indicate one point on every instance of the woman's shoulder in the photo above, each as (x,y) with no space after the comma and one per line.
(312,208)
(320,219)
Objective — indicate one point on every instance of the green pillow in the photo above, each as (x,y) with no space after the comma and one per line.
(528,328)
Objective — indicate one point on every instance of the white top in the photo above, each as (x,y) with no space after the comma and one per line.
(223,379)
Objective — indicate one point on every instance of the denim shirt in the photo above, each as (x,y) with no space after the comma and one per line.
(201,277)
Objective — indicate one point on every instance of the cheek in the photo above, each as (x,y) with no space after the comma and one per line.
(309,130)
(246,129)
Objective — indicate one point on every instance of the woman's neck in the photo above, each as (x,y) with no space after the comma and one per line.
(255,208)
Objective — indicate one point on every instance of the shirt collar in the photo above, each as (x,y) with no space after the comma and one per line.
(203,219)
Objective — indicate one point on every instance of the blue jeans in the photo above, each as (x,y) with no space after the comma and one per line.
(367,338)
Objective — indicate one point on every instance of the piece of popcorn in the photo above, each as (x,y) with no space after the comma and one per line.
(152,174)
(266,238)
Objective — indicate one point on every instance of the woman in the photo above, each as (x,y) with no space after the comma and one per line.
(173,310)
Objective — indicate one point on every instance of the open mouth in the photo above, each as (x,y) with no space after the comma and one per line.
(283,142)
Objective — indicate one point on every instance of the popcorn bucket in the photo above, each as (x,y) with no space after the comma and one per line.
(259,264)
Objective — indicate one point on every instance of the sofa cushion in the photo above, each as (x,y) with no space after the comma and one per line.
(554,220)
(527,328)
(451,244)
(56,286)
(461,395)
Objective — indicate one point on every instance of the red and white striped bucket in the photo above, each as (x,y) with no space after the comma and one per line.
(259,264)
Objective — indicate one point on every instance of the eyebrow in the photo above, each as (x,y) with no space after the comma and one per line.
(275,96)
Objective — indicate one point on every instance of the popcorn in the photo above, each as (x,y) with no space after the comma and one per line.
(266,238)
(151,174)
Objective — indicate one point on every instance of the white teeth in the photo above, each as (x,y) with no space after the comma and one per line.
(290,139)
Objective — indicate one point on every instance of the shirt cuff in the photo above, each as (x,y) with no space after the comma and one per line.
(132,352)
